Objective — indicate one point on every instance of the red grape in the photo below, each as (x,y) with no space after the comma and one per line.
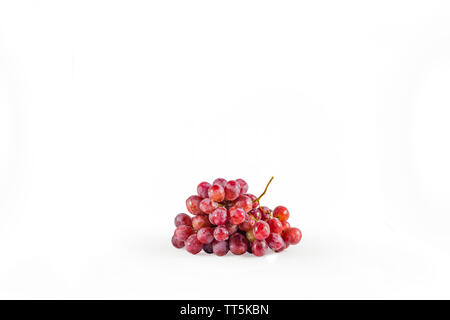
(220,181)
(208,206)
(253,198)
(216,193)
(202,189)
(248,223)
(218,216)
(201,221)
(285,225)
(238,244)
(183,232)
(193,204)
(183,219)
(256,213)
(265,213)
(221,233)
(259,248)
(244,202)
(243,185)
(275,241)
(177,243)
(237,215)
(232,190)
(292,235)
(261,230)
(193,245)
(232,228)
(281,213)
(220,248)
(275,225)
(205,235)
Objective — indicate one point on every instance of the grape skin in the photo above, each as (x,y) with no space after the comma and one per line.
(220,181)
(282,213)
(219,216)
(221,233)
(243,185)
(208,206)
(232,190)
(205,235)
(275,241)
(183,219)
(193,205)
(238,244)
(177,243)
(292,235)
(183,232)
(275,225)
(259,248)
(200,221)
(261,230)
(237,215)
(193,245)
(220,248)
(216,193)
(202,189)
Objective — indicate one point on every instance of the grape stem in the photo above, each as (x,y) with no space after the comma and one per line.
(267,186)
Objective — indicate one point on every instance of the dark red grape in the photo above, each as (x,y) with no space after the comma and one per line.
(200,221)
(208,248)
(232,190)
(265,213)
(183,219)
(177,243)
(237,215)
(259,248)
(238,244)
(275,225)
(221,233)
(193,245)
(248,223)
(243,185)
(292,235)
(183,232)
(216,193)
(220,181)
(281,213)
(275,241)
(261,230)
(218,216)
(202,189)
(205,235)
(244,202)
(220,248)
(208,206)
(193,205)
(256,213)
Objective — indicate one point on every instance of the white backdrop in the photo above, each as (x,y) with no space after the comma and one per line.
(111,113)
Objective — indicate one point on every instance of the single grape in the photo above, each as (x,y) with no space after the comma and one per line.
(253,198)
(208,206)
(248,223)
(250,236)
(177,243)
(220,181)
(275,225)
(292,235)
(259,248)
(200,221)
(238,244)
(244,202)
(216,193)
(221,233)
(232,228)
(202,189)
(282,248)
(261,230)
(275,241)
(256,213)
(193,205)
(232,190)
(285,225)
(237,215)
(243,185)
(265,213)
(183,232)
(220,248)
(208,248)
(205,235)
(183,219)
(193,245)
(218,216)
(281,213)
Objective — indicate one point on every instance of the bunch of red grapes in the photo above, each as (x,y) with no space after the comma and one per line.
(227,218)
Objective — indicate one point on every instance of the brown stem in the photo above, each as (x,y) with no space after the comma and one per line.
(267,186)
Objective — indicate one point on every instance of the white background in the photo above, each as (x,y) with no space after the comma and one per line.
(111,113)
